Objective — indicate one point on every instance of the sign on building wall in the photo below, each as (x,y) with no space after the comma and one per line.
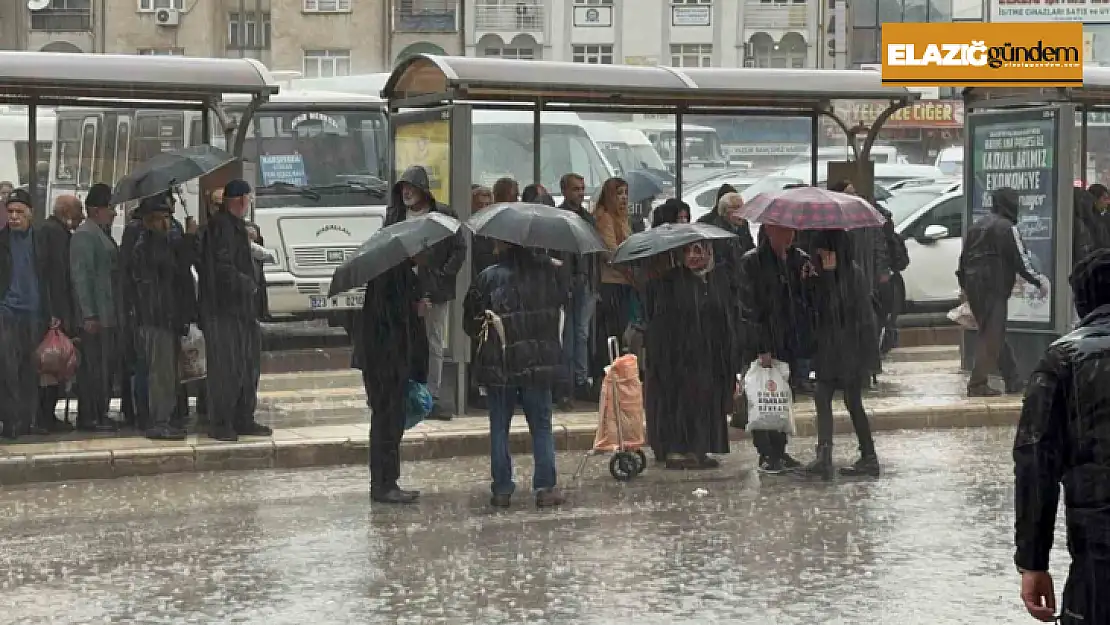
(1088,11)
(691,15)
(593,16)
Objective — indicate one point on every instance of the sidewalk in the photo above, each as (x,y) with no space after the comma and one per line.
(916,394)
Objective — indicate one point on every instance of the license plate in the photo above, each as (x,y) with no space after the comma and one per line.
(320,302)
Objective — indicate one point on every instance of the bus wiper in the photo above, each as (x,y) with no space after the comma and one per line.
(285,187)
(351,185)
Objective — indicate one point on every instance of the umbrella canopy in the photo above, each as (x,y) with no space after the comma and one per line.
(162,172)
(812,208)
(666,238)
(642,185)
(537,225)
(391,246)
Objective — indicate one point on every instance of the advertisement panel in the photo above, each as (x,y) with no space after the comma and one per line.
(1083,11)
(426,142)
(1019,149)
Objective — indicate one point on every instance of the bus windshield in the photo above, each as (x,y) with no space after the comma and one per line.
(332,153)
(697,146)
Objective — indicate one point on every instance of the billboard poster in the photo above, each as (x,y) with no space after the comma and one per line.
(1018,149)
(425,142)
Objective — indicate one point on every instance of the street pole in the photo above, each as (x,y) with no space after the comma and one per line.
(840,17)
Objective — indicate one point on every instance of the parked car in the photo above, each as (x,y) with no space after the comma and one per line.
(951,184)
(931,221)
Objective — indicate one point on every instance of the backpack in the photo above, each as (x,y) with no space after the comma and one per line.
(896,249)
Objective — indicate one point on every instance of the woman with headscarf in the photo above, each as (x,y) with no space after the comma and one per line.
(614,310)
(1090,232)
(846,351)
(673,211)
(691,376)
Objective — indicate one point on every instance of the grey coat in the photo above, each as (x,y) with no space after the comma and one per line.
(93,258)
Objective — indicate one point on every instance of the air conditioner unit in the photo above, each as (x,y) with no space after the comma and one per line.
(167,17)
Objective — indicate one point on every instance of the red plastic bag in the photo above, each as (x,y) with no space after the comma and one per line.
(56,356)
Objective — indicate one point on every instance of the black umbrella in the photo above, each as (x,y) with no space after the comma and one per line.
(389,247)
(665,238)
(643,185)
(537,225)
(167,170)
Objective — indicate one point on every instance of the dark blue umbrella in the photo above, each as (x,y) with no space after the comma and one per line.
(163,172)
(665,238)
(643,185)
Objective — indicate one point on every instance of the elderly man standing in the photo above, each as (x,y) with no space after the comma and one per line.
(25,289)
(6,188)
(94,265)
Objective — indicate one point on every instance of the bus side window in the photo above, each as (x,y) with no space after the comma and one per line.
(87,152)
(69,137)
(121,166)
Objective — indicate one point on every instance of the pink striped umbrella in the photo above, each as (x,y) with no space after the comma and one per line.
(812,208)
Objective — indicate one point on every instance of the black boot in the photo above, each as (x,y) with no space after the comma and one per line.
(822,465)
(866,466)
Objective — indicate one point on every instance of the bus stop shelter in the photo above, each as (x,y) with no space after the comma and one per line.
(38,79)
(432,97)
(1035,141)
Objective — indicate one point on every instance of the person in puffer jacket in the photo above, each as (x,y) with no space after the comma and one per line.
(513,309)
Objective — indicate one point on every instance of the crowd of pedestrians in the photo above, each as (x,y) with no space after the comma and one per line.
(126,307)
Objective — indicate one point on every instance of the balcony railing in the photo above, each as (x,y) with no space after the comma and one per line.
(775,15)
(521,17)
(61,21)
(426,16)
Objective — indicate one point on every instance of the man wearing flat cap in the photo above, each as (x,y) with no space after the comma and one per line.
(230,302)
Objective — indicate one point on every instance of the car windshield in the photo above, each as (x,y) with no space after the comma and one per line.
(904,204)
(697,146)
(505,150)
(344,150)
(951,168)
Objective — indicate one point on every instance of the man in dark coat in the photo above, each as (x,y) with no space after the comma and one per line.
(412,197)
(774,306)
(230,300)
(55,232)
(94,266)
(579,273)
(26,310)
(393,331)
(1061,438)
(989,265)
(513,307)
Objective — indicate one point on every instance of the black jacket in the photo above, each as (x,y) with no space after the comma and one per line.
(1062,438)
(775,303)
(391,333)
(847,347)
(525,293)
(437,277)
(55,237)
(162,298)
(579,268)
(50,282)
(991,260)
(229,285)
(728,252)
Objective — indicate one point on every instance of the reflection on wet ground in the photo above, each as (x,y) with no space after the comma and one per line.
(930,543)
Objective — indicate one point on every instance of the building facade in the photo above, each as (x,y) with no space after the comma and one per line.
(318,38)
(679,33)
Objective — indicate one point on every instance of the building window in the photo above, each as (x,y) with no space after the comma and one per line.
(597,55)
(790,51)
(692,55)
(162,51)
(248,34)
(691,1)
(147,6)
(63,16)
(606,2)
(327,6)
(869,16)
(782,2)
(523,54)
(327,63)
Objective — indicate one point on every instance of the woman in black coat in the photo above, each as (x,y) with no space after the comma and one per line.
(691,374)
(395,350)
(846,349)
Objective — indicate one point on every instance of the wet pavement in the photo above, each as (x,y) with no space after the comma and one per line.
(929,542)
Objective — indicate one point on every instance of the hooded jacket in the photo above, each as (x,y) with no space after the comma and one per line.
(991,260)
(437,276)
(1061,438)
(513,310)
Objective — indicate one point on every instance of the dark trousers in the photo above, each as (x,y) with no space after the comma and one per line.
(94,376)
(992,351)
(387,427)
(48,403)
(853,401)
(160,347)
(770,445)
(890,306)
(614,310)
(233,351)
(19,336)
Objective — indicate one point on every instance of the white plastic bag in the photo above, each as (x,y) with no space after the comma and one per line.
(770,401)
(962,315)
(193,362)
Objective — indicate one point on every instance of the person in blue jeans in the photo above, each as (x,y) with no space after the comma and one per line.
(512,310)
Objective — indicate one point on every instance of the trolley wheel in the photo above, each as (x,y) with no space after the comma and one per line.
(622,466)
(641,461)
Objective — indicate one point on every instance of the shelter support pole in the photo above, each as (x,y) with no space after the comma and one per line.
(206,126)
(1083,149)
(679,144)
(814,129)
(537,142)
(244,125)
(32,156)
(864,154)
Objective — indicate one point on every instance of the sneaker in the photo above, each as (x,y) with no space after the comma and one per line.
(772,467)
(867,466)
(788,462)
(254,428)
(550,498)
(983,391)
(393,496)
(166,433)
(501,501)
